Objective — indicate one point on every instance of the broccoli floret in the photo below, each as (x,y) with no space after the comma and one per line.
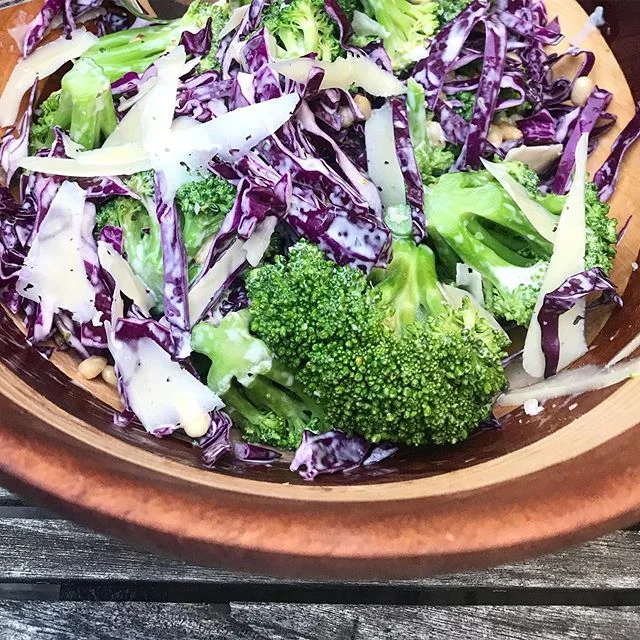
(423,374)
(468,101)
(602,232)
(203,204)
(261,396)
(448,9)
(136,49)
(83,107)
(432,161)
(409,26)
(141,237)
(473,220)
(301,27)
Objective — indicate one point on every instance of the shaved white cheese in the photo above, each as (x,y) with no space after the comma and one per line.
(234,21)
(456,296)
(126,281)
(542,220)
(470,280)
(40,64)
(230,135)
(54,271)
(572,382)
(152,115)
(593,23)
(382,161)
(344,73)
(566,261)
(160,392)
(532,408)
(626,351)
(237,254)
(538,159)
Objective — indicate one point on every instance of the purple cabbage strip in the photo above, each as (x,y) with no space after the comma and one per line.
(409,167)
(174,266)
(257,55)
(454,126)
(589,115)
(134,329)
(486,97)
(431,71)
(105,187)
(216,442)
(358,180)
(14,144)
(40,24)
(563,299)
(606,177)
(16,226)
(336,108)
(545,35)
(199,43)
(538,129)
(623,231)
(345,30)
(93,334)
(334,452)
(255,453)
(112,236)
(202,96)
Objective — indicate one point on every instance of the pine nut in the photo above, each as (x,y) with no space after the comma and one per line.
(92,367)
(495,137)
(582,89)
(197,425)
(362,102)
(510,132)
(436,135)
(109,376)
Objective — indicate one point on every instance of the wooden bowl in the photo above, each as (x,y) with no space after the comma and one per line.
(537,484)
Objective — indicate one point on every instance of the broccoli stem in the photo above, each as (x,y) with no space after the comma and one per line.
(86,104)
(134,49)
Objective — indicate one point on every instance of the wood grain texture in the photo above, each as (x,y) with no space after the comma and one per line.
(321,622)
(142,621)
(57,550)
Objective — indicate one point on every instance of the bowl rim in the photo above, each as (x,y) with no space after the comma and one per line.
(411,527)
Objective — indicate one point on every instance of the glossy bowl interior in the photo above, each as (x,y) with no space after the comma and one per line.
(564,475)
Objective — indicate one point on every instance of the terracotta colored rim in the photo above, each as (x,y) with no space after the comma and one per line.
(530,500)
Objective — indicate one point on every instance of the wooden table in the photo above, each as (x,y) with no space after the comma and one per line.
(59,581)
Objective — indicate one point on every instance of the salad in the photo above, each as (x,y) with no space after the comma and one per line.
(309,226)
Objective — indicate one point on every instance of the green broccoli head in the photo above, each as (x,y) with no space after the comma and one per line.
(203,204)
(386,375)
(141,238)
(473,220)
(468,101)
(259,394)
(602,232)
(432,161)
(136,49)
(83,107)
(409,26)
(449,9)
(301,27)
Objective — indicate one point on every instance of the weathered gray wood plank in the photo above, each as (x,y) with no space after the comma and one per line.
(365,622)
(8,498)
(141,621)
(53,550)
(119,621)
